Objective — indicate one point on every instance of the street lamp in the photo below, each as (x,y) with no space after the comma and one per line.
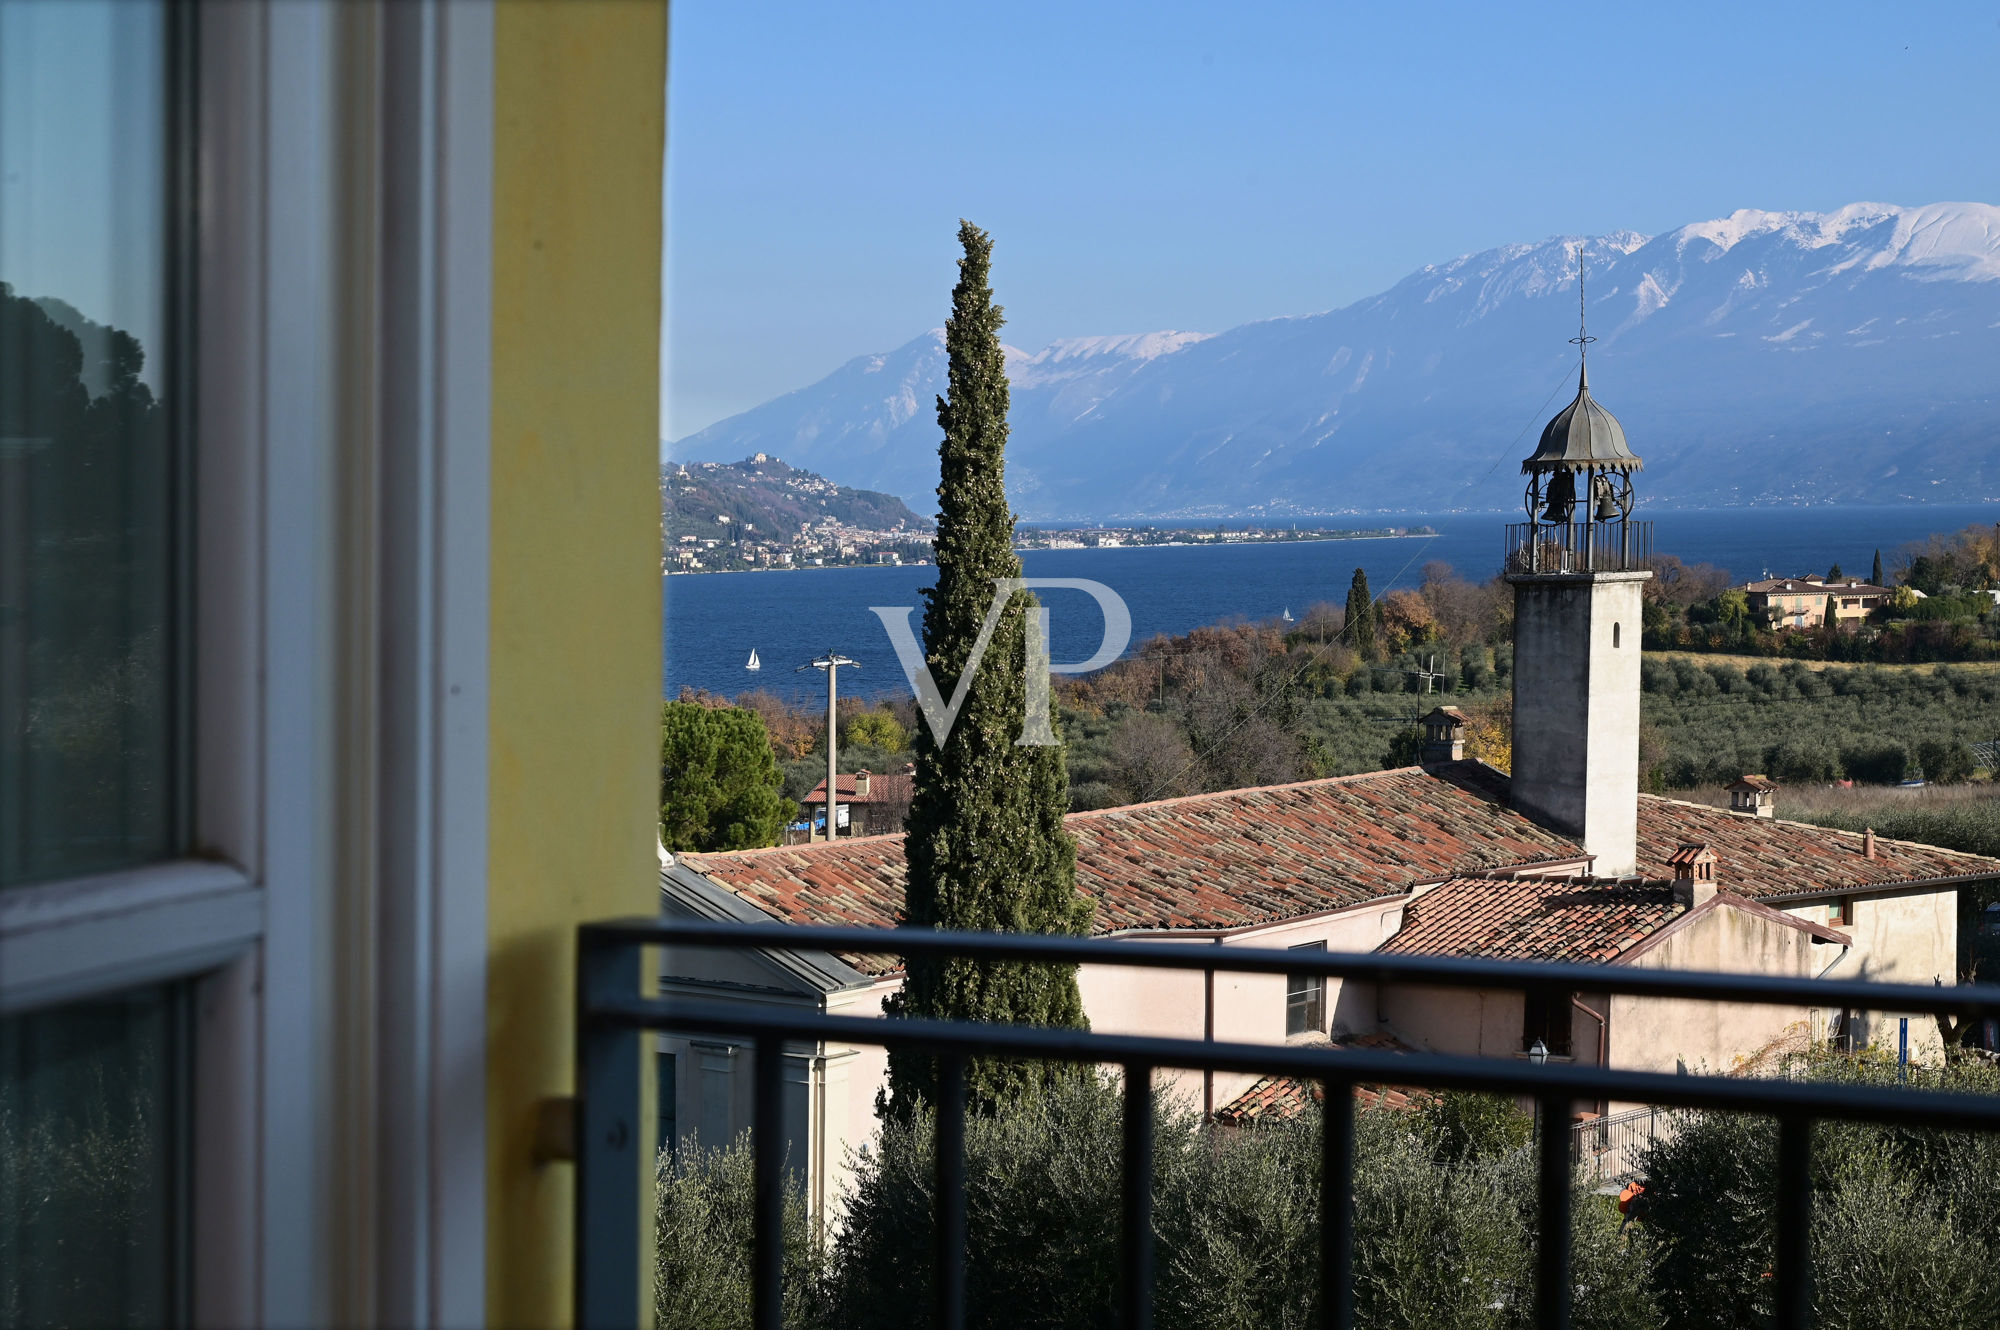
(1538,1054)
(831,663)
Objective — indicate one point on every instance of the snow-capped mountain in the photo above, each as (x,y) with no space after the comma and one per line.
(1851,355)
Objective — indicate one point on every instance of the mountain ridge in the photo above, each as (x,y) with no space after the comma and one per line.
(1767,356)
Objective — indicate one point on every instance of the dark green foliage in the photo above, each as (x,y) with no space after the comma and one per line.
(987,848)
(1360,615)
(1809,761)
(1404,746)
(1945,761)
(1905,1223)
(1834,573)
(1804,726)
(1875,574)
(1878,762)
(719,780)
(1236,1222)
(1462,1125)
(703,1218)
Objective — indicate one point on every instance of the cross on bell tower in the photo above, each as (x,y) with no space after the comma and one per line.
(1576,566)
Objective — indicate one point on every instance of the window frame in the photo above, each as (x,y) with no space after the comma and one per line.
(331,288)
(1306,1001)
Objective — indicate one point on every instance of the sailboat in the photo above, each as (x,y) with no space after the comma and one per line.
(1287,615)
(754,664)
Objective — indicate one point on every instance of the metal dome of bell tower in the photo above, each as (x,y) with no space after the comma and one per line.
(1582,460)
(1578,611)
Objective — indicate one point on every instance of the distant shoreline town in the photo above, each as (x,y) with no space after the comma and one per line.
(761,515)
(838,547)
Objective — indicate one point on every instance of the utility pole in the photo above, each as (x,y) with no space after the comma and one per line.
(830,661)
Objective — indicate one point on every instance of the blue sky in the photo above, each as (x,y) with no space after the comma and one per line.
(81,159)
(1197,166)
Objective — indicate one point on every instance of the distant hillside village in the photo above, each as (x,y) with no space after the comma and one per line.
(761,513)
(1939,601)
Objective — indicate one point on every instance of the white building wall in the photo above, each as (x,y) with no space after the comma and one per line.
(1576,709)
(1898,939)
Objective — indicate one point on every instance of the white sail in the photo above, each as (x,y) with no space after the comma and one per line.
(754,663)
(1288,614)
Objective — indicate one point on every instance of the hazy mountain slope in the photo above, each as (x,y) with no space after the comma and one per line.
(1851,355)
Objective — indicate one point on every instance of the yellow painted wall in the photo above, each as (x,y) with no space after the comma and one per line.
(579,131)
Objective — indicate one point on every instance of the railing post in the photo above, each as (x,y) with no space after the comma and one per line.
(1552,1286)
(1336,1208)
(1136,1244)
(948,1259)
(608,1210)
(1794,1267)
(767,1152)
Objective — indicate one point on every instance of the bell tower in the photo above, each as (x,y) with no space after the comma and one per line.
(1576,566)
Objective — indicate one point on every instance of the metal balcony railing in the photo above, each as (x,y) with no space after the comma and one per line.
(612,1017)
(1610,1149)
(1578,547)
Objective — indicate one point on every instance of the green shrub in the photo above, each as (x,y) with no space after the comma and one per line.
(1905,1227)
(703,1225)
(1236,1222)
(1945,761)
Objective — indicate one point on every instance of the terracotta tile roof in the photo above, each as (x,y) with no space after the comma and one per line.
(1762,856)
(1243,857)
(892,787)
(1533,919)
(1796,586)
(1283,1098)
(1255,856)
(1222,860)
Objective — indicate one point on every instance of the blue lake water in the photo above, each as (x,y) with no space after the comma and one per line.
(714,620)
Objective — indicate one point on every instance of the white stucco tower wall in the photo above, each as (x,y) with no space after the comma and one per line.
(1576,708)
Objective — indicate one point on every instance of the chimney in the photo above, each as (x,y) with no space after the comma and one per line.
(1753,796)
(1444,737)
(861,783)
(1868,843)
(1694,873)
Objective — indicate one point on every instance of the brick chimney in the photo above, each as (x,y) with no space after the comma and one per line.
(1694,873)
(1753,796)
(1444,737)
(861,783)
(1868,843)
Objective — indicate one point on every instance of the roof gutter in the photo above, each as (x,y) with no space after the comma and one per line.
(1915,886)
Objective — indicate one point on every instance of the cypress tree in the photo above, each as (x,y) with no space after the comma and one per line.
(1360,615)
(1875,577)
(986,845)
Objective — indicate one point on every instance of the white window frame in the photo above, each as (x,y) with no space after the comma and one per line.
(331,916)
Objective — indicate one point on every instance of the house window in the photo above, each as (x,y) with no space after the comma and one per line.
(1614,635)
(93,769)
(90,1095)
(89,745)
(1305,998)
(1841,911)
(666,1066)
(1546,1016)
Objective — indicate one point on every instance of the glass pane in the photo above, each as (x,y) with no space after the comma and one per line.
(87,640)
(87,1097)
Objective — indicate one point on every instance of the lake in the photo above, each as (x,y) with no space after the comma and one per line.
(714,620)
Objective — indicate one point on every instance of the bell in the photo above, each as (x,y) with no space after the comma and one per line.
(1562,499)
(1607,502)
